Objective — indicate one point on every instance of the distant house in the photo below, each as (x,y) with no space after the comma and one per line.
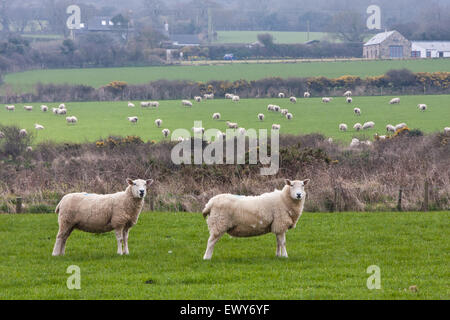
(430,49)
(117,25)
(184,40)
(387,45)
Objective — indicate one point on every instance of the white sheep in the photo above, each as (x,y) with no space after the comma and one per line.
(2,135)
(293,99)
(165,132)
(97,213)
(260,116)
(29,149)
(145,104)
(394,101)
(378,137)
(422,106)
(349,99)
(270,107)
(38,126)
(28,108)
(61,111)
(276,126)
(343,127)
(357,111)
(232,125)
(23,133)
(158,122)
(209,96)
(229,96)
(186,103)
(357,126)
(289,116)
(276,108)
(235,99)
(130,104)
(281,95)
(390,128)
(284,111)
(74,119)
(368,125)
(447,130)
(306,94)
(133,119)
(400,126)
(198,99)
(326,99)
(330,140)
(154,104)
(216,116)
(62,106)
(347,93)
(10,108)
(355,142)
(245,216)
(55,110)
(44,108)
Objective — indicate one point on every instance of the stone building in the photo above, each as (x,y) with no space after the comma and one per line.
(387,45)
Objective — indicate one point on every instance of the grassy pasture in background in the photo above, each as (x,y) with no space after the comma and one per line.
(100,119)
(25,81)
(285,37)
(328,258)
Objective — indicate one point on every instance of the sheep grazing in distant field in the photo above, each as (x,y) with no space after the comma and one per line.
(281,95)
(270,107)
(447,130)
(216,116)
(246,216)
(28,108)
(378,137)
(284,111)
(260,117)
(61,111)
(97,213)
(289,116)
(38,126)
(400,126)
(347,93)
(158,122)
(357,126)
(394,101)
(209,96)
(306,94)
(390,128)
(2,135)
(368,125)
(357,111)
(145,104)
(276,108)
(165,132)
(349,99)
(55,110)
(355,142)
(154,104)
(235,98)
(293,99)
(343,127)
(133,119)
(232,125)
(23,133)
(198,130)
(242,131)
(130,104)
(10,108)
(29,149)
(326,99)
(186,103)
(422,107)
(276,126)
(229,96)
(62,106)
(44,108)
(198,99)
(73,120)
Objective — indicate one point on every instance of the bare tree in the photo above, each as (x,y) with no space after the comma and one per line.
(348,26)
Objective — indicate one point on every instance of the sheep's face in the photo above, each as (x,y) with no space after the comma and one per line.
(297,188)
(139,187)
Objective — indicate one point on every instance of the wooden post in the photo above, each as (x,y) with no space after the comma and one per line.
(18,205)
(399,203)
(335,199)
(425,200)
(152,202)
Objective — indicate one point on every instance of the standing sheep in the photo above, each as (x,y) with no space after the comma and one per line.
(38,126)
(73,120)
(270,107)
(447,130)
(97,213)
(394,101)
(216,116)
(400,126)
(10,108)
(357,111)
(229,96)
(145,104)
(28,108)
(289,116)
(235,99)
(276,108)
(62,106)
(422,107)
(186,103)
(357,126)
(293,99)
(23,133)
(306,94)
(130,104)
(349,99)
(326,99)
(133,119)
(247,216)
(260,117)
(165,132)
(158,122)
(355,142)
(61,111)
(276,126)
(368,125)
(44,108)
(390,128)
(232,125)
(281,95)
(347,93)
(198,99)
(284,111)
(154,104)
(343,127)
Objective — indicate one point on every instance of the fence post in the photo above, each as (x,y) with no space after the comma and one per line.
(399,203)
(18,205)
(335,199)
(425,200)
(152,202)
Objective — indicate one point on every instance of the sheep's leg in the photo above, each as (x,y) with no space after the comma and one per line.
(213,238)
(119,237)
(125,241)
(61,238)
(281,245)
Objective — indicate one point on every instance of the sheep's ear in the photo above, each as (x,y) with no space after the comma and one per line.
(306,181)
(149,182)
(129,181)
(288,182)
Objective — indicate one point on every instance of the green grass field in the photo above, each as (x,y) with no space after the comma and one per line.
(100,119)
(328,258)
(279,36)
(24,81)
